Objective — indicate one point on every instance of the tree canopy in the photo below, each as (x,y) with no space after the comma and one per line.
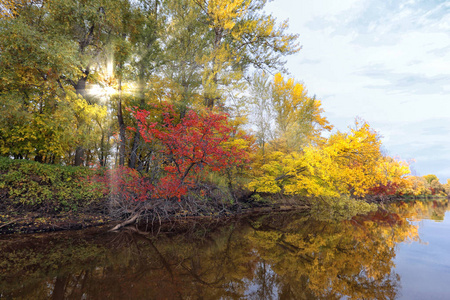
(185,92)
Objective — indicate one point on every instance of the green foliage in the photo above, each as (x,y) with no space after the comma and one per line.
(44,119)
(48,188)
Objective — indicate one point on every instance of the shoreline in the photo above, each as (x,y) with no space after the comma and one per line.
(34,223)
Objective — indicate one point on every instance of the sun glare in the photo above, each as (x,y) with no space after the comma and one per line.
(103,93)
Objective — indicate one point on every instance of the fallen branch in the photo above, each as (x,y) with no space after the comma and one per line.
(11,222)
(130,221)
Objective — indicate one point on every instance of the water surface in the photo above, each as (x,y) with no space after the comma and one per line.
(399,253)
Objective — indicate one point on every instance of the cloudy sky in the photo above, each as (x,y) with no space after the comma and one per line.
(386,61)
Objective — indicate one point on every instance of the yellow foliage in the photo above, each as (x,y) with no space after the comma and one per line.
(393,171)
(240,37)
(424,186)
(447,187)
(222,13)
(298,117)
(8,8)
(348,163)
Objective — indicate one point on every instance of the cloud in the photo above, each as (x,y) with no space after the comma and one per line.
(307,61)
(407,82)
(396,16)
(440,52)
(385,61)
(424,141)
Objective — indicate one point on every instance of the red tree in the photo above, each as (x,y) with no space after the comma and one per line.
(190,144)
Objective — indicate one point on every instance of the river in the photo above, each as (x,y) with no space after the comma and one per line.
(399,252)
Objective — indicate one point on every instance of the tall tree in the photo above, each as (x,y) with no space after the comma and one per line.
(235,35)
(184,42)
(298,117)
(284,115)
(145,59)
(91,25)
(262,116)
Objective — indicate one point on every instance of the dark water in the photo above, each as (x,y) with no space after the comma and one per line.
(400,253)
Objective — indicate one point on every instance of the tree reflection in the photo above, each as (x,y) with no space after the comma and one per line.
(433,209)
(353,258)
(267,257)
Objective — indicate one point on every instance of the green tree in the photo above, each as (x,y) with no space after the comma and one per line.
(184,42)
(38,106)
(92,25)
(45,65)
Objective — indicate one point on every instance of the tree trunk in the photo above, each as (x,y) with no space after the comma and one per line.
(121,128)
(213,94)
(129,221)
(80,88)
(79,153)
(102,156)
(134,149)
(137,136)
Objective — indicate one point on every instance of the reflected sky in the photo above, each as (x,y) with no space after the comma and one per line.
(424,267)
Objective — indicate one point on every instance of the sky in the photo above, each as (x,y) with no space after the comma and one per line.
(385,61)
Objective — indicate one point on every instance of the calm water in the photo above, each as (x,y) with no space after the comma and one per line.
(402,253)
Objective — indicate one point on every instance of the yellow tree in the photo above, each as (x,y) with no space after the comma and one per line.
(447,187)
(434,185)
(425,185)
(357,155)
(392,178)
(346,164)
(418,186)
(298,117)
(284,118)
(239,36)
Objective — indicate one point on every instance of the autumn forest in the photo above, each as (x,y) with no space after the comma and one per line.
(161,108)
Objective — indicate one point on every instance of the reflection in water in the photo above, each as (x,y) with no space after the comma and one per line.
(283,256)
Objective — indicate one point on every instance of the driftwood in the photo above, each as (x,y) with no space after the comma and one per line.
(127,222)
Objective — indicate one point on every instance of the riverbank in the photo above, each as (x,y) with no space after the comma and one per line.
(37,197)
(32,222)
(35,223)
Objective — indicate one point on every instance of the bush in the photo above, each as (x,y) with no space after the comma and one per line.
(31,185)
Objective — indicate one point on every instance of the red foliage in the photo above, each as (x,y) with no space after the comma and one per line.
(389,189)
(194,145)
(125,183)
(379,217)
(197,143)
(189,145)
